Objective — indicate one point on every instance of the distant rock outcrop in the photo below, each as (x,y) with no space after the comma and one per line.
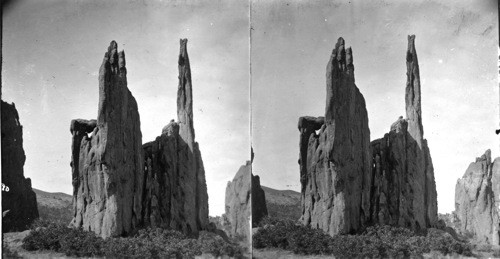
(238,202)
(335,162)
(18,197)
(403,190)
(259,206)
(108,165)
(477,196)
(175,186)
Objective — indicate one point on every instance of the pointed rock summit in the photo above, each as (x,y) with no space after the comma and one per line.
(335,156)
(403,188)
(18,199)
(477,200)
(119,183)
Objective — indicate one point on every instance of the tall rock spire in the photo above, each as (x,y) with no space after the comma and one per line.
(413,93)
(176,189)
(108,172)
(335,161)
(404,190)
(185,96)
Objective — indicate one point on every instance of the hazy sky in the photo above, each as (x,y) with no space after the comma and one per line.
(52,51)
(456,43)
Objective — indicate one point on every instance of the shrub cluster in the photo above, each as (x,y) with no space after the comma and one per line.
(376,241)
(146,243)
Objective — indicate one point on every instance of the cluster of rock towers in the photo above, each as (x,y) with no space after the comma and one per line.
(120,184)
(349,182)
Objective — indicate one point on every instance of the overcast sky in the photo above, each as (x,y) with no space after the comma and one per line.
(52,51)
(456,43)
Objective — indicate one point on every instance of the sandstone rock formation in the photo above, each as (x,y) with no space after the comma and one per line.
(238,202)
(348,182)
(259,206)
(107,165)
(335,162)
(119,183)
(175,192)
(19,199)
(476,200)
(403,189)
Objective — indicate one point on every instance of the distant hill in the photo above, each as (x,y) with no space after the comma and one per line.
(55,207)
(283,203)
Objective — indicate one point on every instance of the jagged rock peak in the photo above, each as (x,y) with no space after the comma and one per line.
(342,58)
(485,157)
(115,59)
(185,96)
(339,79)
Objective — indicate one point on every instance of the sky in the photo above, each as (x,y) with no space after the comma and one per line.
(52,51)
(457,48)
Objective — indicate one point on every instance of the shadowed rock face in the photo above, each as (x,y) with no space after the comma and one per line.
(175,190)
(477,196)
(238,202)
(335,162)
(403,189)
(19,200)
(259,206)
(107,166)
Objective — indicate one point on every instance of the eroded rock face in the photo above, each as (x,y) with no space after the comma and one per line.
(476,200)
(107,160)
(348,182)
(335,162)
(259,206)
(20,199)
(238,202)
(175,190)
(403,190)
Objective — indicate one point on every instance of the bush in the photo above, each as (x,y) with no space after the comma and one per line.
(45,238)
(146,243)
(81,243)
(377,241)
